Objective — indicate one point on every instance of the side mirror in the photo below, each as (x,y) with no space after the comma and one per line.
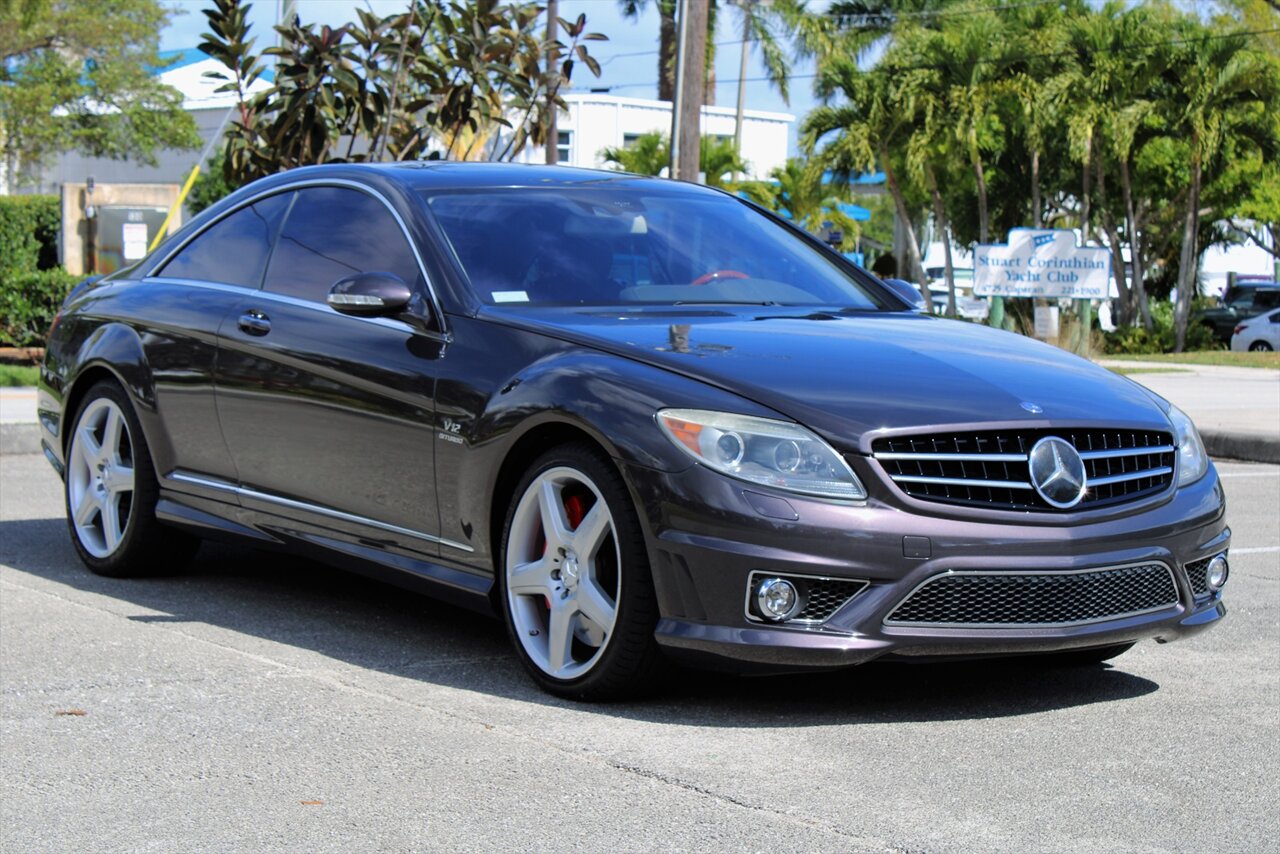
(908,293)
(369,294)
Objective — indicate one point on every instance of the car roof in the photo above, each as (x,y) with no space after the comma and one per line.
(450,174)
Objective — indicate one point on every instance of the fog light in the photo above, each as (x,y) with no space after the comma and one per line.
(1215,574)
(778,599)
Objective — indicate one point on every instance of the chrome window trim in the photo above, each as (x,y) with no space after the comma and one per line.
(249,293)
(995,572)
(245,492)
(800,624)
(300,185)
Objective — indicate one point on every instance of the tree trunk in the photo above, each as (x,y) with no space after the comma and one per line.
(552,148)
(667,51)
(913,248)
(1113,241)
(940,214)
(742,87)
(1138,288)
(1188,285)
(980,175)
(1037,214)
(686,137)
(1084,197)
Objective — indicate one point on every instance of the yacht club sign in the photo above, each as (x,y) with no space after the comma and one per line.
(1041,262)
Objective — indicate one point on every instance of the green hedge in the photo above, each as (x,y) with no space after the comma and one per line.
(32,285)
(28,233)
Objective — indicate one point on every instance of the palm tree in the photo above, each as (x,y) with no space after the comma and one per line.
(801,192)
(650,155)
(1224,87)
(866,130)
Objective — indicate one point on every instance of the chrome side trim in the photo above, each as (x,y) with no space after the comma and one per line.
(803,624)
(320,182)
(968,458)
(959,481)
(1126,452)
(989,573)
(246,492)
(1133,475)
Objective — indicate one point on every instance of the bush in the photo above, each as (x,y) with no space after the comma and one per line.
(28,233)
(28,302)
(1136,340)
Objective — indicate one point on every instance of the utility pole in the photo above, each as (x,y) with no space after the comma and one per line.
(553,67)
(686,112)
(742,80)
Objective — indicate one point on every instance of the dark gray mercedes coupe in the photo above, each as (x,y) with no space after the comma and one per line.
(639,419)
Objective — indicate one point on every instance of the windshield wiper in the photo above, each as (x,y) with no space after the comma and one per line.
(724,302)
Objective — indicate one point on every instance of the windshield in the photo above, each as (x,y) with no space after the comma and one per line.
(608,246)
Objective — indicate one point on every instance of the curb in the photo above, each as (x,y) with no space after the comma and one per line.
(17,437)
(1250,447)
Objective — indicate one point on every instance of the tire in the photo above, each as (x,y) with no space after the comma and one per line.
(575,588)
(1260,346)
(1087,657)
(110,491)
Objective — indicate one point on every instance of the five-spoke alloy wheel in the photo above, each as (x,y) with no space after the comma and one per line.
(576,590)
(111,491)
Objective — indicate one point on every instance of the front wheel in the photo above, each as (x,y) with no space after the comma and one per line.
(576,589)
(111,492)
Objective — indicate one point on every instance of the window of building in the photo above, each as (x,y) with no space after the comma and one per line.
(331,233)
(234,250)
(564,146)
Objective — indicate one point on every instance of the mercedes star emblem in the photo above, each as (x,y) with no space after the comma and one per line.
(1057,472)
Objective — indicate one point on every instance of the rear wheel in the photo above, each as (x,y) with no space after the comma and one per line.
(1259,346)
(576,590)
(111,492)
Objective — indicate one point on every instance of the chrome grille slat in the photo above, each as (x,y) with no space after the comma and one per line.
(1121,478)
(990,468)
(1046,598)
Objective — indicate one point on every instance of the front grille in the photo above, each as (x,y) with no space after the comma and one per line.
(999,599)
(989,469)
(1196,574)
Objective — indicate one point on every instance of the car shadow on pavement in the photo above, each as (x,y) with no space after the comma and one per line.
(308,605)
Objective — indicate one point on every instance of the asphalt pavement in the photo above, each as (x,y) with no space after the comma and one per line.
(260,703)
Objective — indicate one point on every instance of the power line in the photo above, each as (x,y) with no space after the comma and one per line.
(940,13)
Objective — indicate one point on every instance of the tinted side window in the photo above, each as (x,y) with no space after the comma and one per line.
(1263,300)
(233,251)
(333,232)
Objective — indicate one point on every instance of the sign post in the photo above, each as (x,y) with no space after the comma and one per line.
(1044,262)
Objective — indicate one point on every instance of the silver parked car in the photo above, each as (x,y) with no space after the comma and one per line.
(1258,333)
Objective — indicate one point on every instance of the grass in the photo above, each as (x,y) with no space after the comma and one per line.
(18,375)
(1204,357)
(1127,371)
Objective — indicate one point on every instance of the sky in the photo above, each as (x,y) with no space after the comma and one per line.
(629,60)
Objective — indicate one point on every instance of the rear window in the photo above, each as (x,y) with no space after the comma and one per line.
(610,246)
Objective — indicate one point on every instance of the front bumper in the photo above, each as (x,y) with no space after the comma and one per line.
(708,533)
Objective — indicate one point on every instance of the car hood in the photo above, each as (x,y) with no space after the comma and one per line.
(845,375)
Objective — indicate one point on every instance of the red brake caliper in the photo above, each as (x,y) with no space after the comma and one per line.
(575,508)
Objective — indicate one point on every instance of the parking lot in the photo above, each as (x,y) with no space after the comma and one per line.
(255,702)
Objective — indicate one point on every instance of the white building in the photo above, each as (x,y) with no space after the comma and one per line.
(595,122)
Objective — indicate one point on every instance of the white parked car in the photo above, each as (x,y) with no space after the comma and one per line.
(1258,333)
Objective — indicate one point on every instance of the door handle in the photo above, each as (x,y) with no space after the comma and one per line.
(254,323)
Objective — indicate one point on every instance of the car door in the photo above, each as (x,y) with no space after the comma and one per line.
(178,312)
(328,416)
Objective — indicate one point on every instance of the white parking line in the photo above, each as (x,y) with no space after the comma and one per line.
(1249,474)
(1256,550)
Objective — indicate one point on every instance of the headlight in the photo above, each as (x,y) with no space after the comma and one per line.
(760,450)
(1193,462)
